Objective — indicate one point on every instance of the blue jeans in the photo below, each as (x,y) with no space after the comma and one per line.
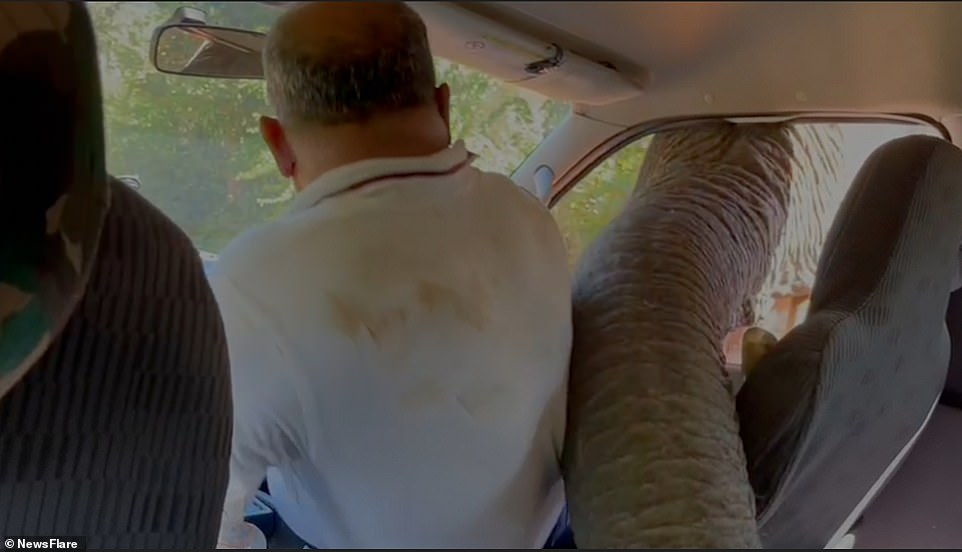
(285,539)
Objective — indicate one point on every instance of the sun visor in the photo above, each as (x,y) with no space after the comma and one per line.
(484,44)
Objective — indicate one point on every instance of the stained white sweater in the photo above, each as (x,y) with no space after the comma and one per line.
(399,355)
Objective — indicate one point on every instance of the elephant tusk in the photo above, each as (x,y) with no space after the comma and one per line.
(756,343)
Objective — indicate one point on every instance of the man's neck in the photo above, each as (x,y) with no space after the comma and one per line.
(329,149)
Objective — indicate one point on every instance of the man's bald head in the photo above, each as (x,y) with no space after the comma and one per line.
(332,63)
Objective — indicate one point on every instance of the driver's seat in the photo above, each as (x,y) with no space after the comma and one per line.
(115,410)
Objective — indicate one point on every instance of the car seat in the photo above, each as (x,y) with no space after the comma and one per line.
(828,414)
(116,420)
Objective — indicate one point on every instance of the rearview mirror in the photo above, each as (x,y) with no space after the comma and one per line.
(196,49)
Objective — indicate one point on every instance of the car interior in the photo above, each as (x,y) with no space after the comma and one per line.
(114,377)
(127,410)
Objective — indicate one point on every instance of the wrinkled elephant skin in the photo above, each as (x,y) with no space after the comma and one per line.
(652,456)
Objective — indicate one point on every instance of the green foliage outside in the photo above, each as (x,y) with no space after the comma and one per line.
(194,142)
(595,201)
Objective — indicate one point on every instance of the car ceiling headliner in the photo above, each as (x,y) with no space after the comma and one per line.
(711,58)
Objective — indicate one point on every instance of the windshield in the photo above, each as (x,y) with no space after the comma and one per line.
(194,142)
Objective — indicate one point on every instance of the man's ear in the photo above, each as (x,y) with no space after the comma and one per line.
(273,134)
(756,343)
(442,98)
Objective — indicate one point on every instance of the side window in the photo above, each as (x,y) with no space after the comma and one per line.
(592,203)
(595,201)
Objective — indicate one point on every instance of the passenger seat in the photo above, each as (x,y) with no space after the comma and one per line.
(830,412)
(922,506)
(120,430)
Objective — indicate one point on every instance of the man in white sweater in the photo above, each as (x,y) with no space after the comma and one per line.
(399,339)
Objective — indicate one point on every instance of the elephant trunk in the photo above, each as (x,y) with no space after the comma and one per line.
(815,198)
(652,453)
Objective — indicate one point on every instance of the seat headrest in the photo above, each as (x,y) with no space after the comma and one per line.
(53,183)
(902,182)
(896,233)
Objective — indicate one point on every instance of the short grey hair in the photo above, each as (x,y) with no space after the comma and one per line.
(330,81)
